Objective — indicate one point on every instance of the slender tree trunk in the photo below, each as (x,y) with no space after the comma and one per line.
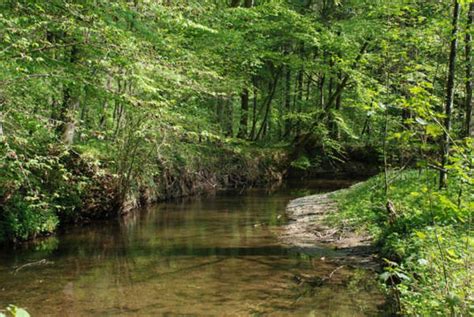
(267,107)
(254,112)
(449,95)
(229,117)
(118,124)
(85,107)
(308,88)
(331,77)
(302,141)
(300,87)
(68,122)
(287,101)
(469,130)
(120,107)
(322,80)
(70,105)
(346,78)
(244,99)
(103,117)
(268,104)
(281,115)
(334,127)
(299,99)
(329,114)
(366,128)
(55,109)
(219,111)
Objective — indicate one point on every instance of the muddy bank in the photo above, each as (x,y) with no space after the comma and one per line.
(354,162)
(308,228)
(109,195)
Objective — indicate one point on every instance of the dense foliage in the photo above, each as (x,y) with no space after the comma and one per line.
(427,244)
(108,104)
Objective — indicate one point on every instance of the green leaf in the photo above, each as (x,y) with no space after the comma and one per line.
(20,312)
(385,276)
(420,235)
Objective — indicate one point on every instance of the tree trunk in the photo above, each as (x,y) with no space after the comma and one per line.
(244,97)
(229,117)
(268,104)
(322,79)
(219,110)
(69,129)
(288,101)
(469,130)
(119,107)
(85,107)
(445,144)
(69,105)
(308,88)
(302,141)
(299,99)
(244,117)
(334,127)
(254,112)
(53,100)
(346,78)
(103,117)
(331,76)
(249,3)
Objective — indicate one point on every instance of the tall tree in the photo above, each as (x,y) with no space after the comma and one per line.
(287,101)
(468,55)
(244,111)
(244,97)
(445,145)
(70,102)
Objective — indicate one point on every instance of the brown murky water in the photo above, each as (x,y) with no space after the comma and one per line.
(207,256)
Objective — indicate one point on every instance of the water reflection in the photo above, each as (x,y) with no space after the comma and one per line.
(206,256)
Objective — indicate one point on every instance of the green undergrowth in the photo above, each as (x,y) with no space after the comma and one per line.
(45,185)
(13,311)
(425,240)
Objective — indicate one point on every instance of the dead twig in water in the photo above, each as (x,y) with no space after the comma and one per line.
(334,271)
(36,263)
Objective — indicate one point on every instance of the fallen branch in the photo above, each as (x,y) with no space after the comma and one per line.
(334,271)
(37,263)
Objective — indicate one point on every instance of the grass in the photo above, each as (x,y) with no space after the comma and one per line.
(427,244)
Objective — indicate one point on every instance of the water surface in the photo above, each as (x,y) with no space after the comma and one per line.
(205,256)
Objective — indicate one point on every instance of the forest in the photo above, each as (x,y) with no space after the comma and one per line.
(106,106)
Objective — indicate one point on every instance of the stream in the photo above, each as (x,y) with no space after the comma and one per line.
(216,255)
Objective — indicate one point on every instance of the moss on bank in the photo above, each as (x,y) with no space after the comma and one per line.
(425,237)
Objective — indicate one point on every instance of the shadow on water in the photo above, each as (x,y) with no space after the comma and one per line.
(217,255)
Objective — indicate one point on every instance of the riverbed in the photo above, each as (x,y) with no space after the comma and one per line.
(217,255)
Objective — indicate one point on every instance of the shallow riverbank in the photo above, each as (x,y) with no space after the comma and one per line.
(423,234)
(308,227)
(85,188)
